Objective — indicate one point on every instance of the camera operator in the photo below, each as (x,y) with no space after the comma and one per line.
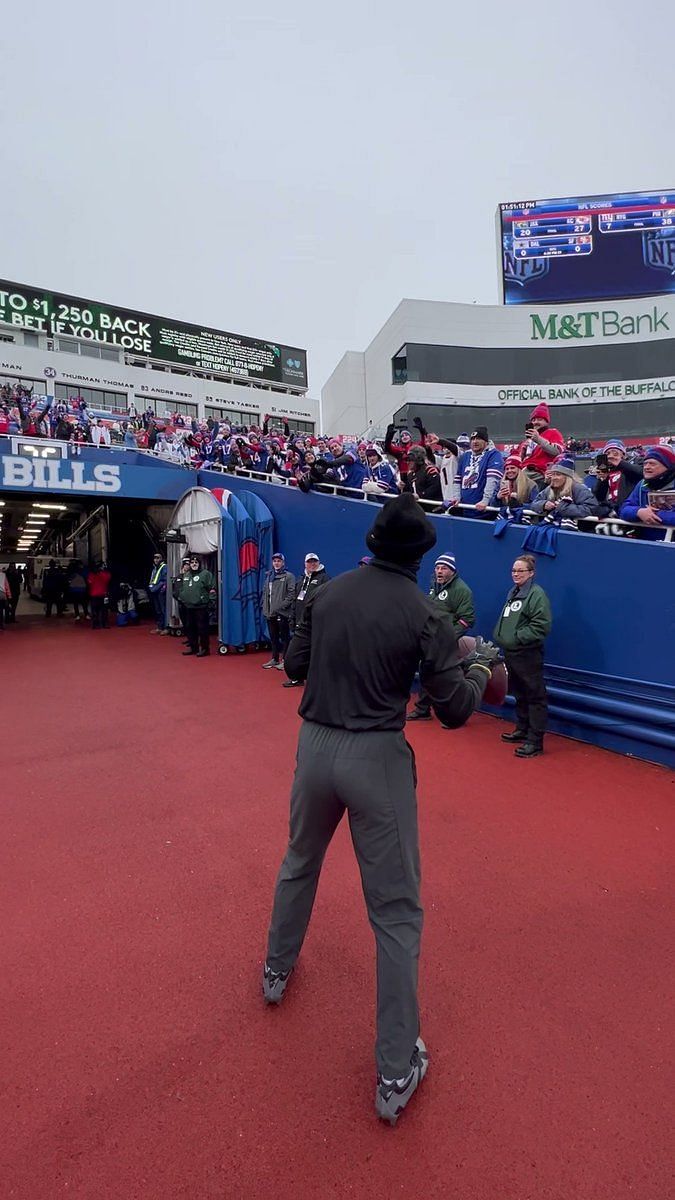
(613,487)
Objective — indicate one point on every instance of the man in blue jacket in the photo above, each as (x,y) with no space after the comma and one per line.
(157,590)
(644,504)
(480,470)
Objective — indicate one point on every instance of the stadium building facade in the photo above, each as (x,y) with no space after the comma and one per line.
(117,360)
(607,368)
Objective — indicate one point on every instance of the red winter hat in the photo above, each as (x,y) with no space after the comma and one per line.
(513,461)
(541,411)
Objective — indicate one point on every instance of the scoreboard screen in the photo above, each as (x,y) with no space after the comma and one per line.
(587,248)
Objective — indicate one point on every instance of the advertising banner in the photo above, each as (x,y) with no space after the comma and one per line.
(190,346)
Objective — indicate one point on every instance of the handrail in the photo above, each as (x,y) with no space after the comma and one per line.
(458,509)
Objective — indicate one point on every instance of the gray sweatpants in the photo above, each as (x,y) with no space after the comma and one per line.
(372,776)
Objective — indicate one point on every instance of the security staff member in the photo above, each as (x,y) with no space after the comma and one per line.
(196,590)
(358,646)
(176,584)
(455,598)
(524,623)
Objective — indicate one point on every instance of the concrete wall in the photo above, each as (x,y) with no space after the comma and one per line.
(427,322)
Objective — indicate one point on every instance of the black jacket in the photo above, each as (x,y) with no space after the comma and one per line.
(305,587)
(359,645)
(630,475)
(426,484)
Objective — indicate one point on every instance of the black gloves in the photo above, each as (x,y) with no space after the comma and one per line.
(484,654)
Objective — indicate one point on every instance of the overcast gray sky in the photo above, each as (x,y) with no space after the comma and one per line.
(293,170)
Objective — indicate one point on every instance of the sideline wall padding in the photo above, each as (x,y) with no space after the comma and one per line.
(611,655)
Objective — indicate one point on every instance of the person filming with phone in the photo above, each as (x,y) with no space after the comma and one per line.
(541,446)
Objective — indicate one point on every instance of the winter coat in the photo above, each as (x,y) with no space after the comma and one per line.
(400,453)
(426,484)
(630,476)
(456,599)
(383,477)
(581,502)
(278,599)
(157,579)
(639,498)
(305,588)
(535,457)
(196,589)
(479,475)
(525,619)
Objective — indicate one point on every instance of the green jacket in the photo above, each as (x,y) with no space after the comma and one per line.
(195,589)
(456,599)
(525,620)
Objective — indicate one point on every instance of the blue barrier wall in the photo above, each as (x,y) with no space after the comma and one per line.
(610,659)
(611,655)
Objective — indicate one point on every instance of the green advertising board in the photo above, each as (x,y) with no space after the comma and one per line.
(193,347)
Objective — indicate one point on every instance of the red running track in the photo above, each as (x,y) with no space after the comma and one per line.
(144,816)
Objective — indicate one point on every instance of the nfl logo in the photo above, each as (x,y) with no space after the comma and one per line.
(658,250)
(522,270)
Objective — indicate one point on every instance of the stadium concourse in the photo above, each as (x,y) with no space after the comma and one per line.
(146,804)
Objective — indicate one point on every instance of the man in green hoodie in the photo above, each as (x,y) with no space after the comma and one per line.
(455,598)
(196,590)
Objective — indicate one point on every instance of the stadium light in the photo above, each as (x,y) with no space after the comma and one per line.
(60,507)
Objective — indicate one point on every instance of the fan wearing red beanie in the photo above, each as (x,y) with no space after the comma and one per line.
(543,444)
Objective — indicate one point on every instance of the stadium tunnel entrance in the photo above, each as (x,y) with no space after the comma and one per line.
(123,533)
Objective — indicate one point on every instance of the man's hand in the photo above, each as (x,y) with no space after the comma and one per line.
(649,516)
(481,506)
(484,654)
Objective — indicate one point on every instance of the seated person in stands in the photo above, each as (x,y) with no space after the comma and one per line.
(644,504)
(542,445)
(615,478)
(480,470)
(423,479)
(517,489)
(380,476)
(565,495)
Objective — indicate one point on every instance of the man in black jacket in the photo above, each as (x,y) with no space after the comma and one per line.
(423,478)
(613,488)
(358,647)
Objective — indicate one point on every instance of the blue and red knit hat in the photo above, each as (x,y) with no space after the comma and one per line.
(564,464)
(662,454)
(613,444)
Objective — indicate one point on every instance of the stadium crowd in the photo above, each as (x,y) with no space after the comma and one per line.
(531,481)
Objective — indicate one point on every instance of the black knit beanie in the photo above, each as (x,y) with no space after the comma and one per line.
(401,532)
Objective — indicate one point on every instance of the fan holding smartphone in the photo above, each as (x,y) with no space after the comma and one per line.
(542,444)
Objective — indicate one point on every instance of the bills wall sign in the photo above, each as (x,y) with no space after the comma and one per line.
(59,475)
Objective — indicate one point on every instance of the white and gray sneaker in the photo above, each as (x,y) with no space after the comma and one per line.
(392,1095)
(274,984)
(272,662)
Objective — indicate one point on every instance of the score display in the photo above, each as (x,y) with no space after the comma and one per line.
(587,247)
(189,346)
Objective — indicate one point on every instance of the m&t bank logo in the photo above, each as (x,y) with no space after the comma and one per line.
(606,323)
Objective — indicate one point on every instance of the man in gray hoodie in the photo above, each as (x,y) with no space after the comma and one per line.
(278,602)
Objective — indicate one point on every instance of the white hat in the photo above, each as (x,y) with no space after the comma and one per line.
(312,558)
